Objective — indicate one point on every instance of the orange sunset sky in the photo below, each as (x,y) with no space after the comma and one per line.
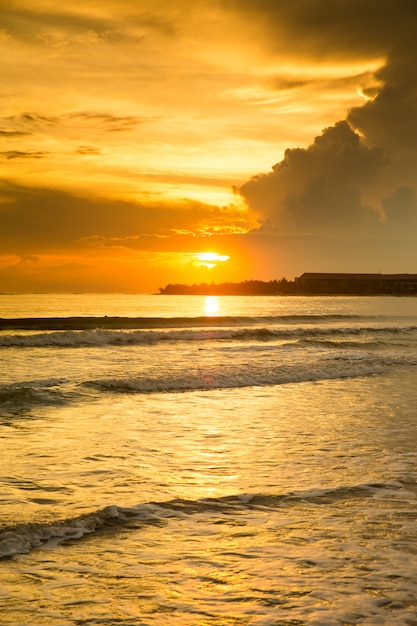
(148,142)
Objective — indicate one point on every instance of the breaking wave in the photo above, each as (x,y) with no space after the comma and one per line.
(102,337)
(223,378)
(20,396)
(22,538)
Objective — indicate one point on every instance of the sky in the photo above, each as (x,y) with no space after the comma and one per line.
(147,142)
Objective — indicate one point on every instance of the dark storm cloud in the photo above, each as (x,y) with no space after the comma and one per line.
(318,189)
(331,27)
(400,209)
(358,176)
(390,122)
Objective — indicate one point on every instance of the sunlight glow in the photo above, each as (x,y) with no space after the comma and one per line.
(366,96)
(210,259)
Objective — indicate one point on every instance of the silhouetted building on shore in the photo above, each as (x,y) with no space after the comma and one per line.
(356,284)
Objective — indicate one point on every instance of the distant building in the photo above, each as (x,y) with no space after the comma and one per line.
(359,284)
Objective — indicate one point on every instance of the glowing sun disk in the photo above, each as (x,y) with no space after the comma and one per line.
(212,257)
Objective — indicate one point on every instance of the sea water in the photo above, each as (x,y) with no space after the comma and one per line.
(208,461)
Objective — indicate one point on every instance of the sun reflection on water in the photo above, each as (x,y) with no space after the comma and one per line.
(211,306)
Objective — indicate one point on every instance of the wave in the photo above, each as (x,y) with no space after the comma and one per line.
(19,397)
(22,538)
(112,323)
(102,337)
(341,366)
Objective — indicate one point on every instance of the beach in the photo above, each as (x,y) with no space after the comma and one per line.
(218,460)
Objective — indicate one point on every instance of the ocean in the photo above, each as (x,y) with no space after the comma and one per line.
(201,461)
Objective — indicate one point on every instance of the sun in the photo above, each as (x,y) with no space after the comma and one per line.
(210,259)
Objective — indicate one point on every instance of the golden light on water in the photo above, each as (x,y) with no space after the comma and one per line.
(211,306)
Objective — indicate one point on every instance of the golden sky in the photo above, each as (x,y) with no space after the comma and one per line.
(147,142)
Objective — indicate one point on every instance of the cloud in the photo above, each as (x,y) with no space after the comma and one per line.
(87,151)
(20,154)
(36,220)
(32,119)
(325,28)
(353,190)
(400,209)
(12,133)
(342,204)
(28,22)
(103,120)
(318,189)
(107,121)
(61,26)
